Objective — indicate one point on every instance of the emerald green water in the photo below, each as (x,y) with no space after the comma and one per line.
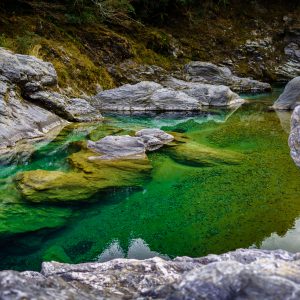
(184,209)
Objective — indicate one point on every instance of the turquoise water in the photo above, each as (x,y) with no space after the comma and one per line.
(231,185)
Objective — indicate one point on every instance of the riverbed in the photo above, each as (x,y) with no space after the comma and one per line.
(187,207)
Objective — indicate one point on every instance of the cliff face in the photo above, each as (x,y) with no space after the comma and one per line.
(243,274)
(260,40)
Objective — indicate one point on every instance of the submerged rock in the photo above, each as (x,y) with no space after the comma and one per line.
(114,147)
(87,177)
(205,72)
(28,109)
(290,66)
(290,97)
(175,95)
(242,274)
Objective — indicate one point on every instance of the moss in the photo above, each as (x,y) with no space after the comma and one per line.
(87,177)
(105,129)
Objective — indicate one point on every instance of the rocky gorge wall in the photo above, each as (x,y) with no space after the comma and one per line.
(102,57)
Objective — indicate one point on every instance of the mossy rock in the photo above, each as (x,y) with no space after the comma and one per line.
(195,154)
(88,176)
(104,130)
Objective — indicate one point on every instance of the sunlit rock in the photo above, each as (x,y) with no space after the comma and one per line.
(20,119)
(114,147)
(294,138)
(29,108)
(207,94)
(88,176)
(192,153)
(243,274)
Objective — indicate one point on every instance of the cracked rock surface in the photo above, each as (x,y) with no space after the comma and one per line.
(242,274)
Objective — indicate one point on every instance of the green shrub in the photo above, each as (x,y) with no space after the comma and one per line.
(25,42)
(3,41)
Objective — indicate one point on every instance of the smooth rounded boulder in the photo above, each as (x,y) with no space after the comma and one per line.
(290,97)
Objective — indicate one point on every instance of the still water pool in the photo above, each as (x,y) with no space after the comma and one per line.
(186,208)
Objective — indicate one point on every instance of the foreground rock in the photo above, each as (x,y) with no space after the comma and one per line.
(112,162)
(243,274)
(294,138)
(290,97)
(28,108)
(205,72)
(175,95)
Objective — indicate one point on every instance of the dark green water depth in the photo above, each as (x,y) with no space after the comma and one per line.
(184,210)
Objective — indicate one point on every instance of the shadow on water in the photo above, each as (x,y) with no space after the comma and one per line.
(184,209)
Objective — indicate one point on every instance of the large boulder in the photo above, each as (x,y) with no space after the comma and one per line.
(88,175)
(171,95)
(294,138)
(116,147)
(205,72)
(290,97)
(29,108)
(243,274)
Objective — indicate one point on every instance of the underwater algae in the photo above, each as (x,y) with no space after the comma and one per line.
(247,190)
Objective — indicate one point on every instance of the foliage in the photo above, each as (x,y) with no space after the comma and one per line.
(149,10)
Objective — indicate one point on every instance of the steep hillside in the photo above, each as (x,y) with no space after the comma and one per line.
(90,53)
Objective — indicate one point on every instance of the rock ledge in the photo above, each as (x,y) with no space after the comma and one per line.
(242,274)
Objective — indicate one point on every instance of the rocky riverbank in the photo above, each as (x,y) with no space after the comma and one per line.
(31,104)
(243,274)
